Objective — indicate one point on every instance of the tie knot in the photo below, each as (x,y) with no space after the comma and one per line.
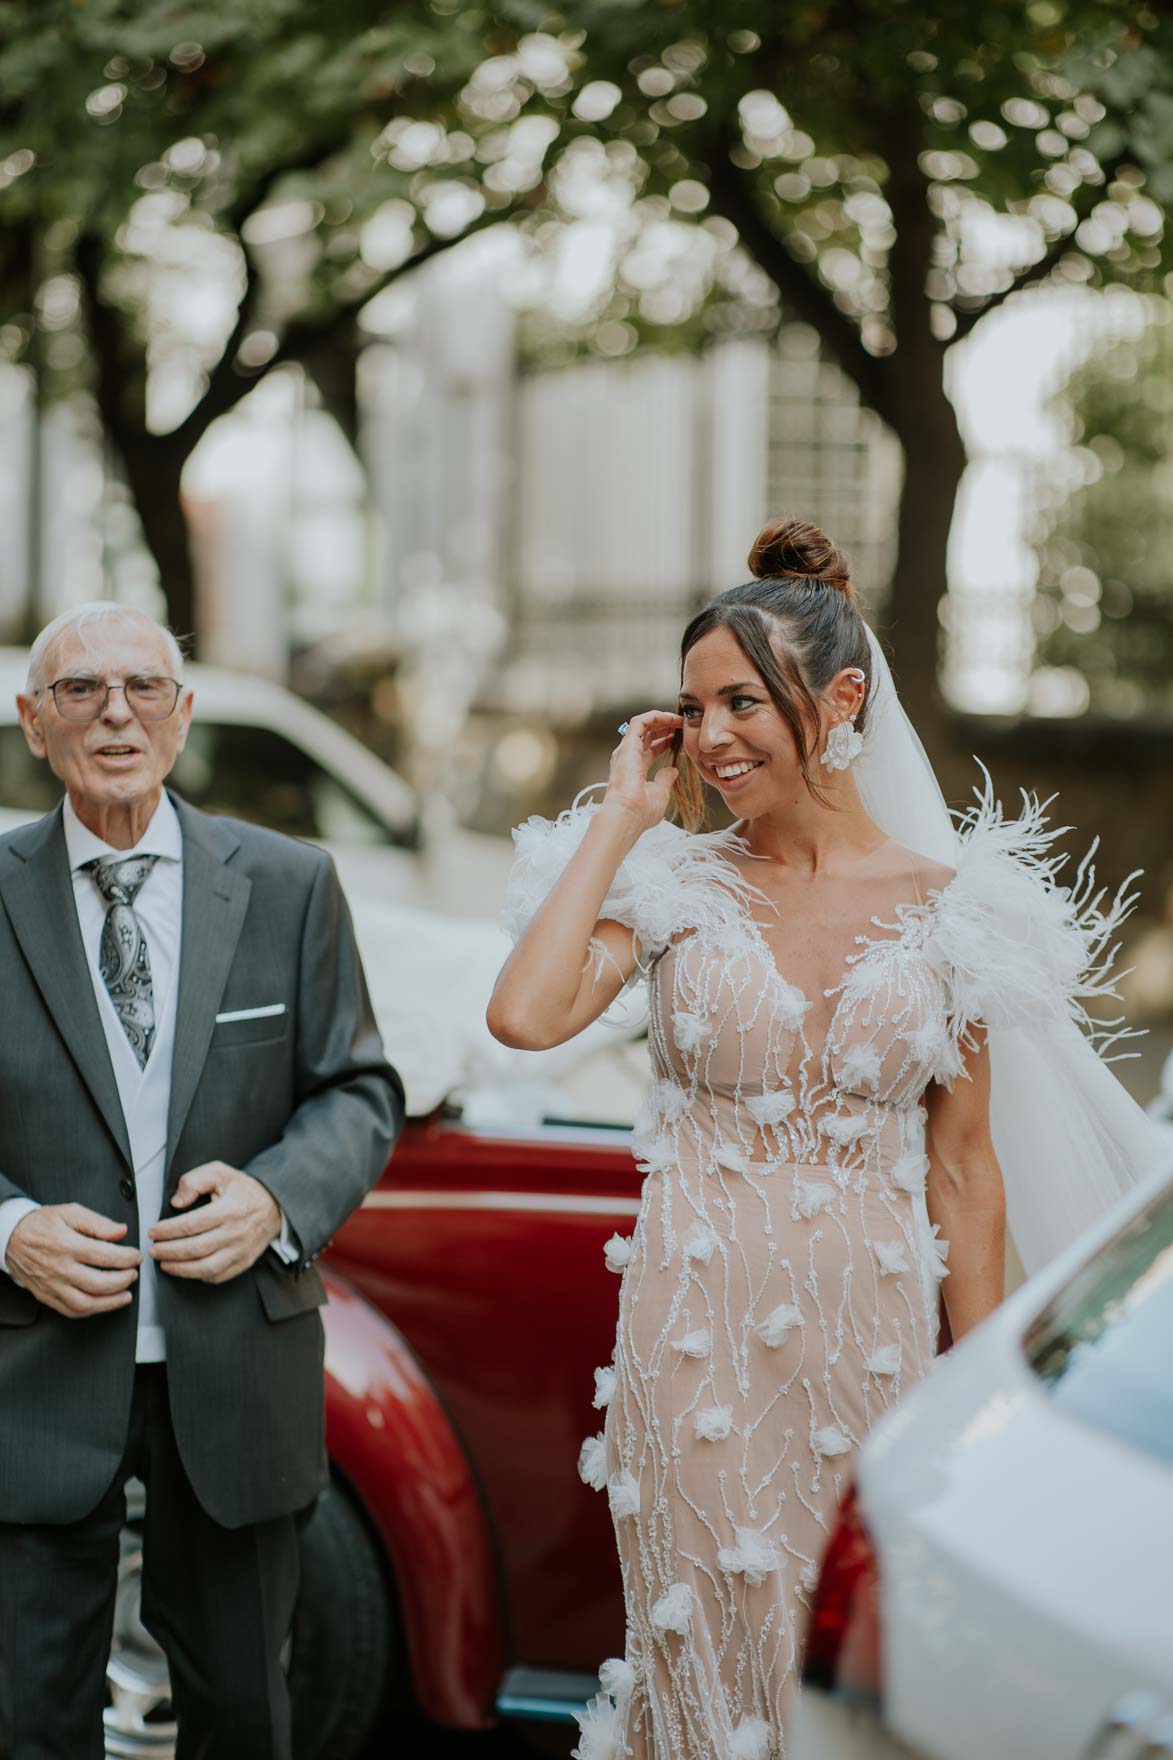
(120,882)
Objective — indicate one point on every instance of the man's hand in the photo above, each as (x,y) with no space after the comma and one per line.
(223,1237)
(68,1257)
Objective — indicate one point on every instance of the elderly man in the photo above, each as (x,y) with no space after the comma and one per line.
(193,1097)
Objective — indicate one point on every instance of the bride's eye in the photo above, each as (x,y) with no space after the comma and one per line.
(739,703)
(689,712)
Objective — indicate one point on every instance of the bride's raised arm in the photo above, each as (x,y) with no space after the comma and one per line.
(572,960)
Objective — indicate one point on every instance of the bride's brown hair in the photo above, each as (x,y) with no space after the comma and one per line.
(798,624)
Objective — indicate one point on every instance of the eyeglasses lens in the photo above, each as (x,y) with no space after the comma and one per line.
(83,699)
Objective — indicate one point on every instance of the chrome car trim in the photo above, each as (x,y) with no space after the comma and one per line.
(611,1136)
(547,1695)
(567,1205)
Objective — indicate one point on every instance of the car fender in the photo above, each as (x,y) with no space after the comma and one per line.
(390,1439)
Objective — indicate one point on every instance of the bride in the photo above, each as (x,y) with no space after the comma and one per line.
(837,987)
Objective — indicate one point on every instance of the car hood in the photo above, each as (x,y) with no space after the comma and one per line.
(1014,1540)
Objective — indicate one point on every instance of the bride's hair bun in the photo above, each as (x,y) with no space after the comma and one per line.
(795,547)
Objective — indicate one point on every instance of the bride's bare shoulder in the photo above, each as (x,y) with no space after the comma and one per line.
(926,875)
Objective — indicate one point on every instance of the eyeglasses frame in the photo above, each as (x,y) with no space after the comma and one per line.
(119,685)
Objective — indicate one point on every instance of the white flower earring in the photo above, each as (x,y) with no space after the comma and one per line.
(844,744)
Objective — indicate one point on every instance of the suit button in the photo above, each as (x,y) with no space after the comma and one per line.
(126,1187)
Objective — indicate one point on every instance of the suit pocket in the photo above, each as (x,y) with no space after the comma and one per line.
(17,1306)
(232,1035)
(285,1294)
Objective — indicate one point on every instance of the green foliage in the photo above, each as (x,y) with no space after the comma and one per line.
(1105,605)
(839,129)
(120,121)
(887,170)
(1022,130)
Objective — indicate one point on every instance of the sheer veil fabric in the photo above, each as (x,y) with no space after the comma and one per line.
(1069,1137)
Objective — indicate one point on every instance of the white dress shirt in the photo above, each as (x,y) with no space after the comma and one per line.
(145,1094)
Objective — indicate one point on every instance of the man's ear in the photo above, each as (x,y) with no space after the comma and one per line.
(26,708)
(186,705)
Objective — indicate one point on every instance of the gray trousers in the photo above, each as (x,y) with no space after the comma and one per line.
(219,1600)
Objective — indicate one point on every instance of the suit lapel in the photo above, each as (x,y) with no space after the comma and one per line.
(37,890)
(215,899)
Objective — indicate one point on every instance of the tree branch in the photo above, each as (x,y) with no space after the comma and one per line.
(732,195)
(227,384)
(308,332)
(307,152)
(967,317)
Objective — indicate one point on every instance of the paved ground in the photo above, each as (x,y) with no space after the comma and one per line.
(427,1743)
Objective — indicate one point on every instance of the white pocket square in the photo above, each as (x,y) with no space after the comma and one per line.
(250,1014)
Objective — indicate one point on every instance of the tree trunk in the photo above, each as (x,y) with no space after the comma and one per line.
(934,456)
(934,459)
(333,367)
(153,463)
(154,468)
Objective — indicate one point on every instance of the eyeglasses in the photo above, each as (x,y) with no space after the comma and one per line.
(84,699)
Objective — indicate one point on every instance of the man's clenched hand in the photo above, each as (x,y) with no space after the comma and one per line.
(221,1238)
(69,1258)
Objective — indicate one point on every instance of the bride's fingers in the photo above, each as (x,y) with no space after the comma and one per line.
(652,732)
(639,762)
(647,738)
(651,723)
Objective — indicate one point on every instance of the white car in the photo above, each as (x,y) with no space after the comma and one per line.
(1001,1580)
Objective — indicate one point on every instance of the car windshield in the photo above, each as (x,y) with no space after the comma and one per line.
(26,785)
(1104,1345)
(253,773)
(248,772)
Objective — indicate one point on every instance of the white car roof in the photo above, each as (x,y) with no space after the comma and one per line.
(224,696)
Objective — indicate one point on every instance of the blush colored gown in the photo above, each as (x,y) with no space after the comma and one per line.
(780,1288)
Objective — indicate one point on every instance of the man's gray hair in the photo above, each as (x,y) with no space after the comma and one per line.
(77,620)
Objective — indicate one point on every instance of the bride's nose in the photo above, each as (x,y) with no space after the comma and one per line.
(715,733)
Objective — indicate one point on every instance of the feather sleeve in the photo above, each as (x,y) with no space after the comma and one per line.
(1015,946)
(673,881)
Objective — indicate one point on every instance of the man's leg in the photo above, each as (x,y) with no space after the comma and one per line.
(220,1601)
(57,1591)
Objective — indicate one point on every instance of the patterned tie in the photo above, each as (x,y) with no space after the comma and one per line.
(125,961)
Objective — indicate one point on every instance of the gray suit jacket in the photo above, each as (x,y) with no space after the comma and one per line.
(305,1101)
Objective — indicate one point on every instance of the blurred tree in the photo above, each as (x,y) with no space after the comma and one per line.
(193,194)
(887,171)
(896,170)
(1105,607)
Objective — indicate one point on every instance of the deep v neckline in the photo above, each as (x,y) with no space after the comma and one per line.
(863,943)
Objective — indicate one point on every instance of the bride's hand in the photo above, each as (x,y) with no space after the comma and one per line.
(631,789)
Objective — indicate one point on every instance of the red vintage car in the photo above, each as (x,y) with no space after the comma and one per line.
(457,1563)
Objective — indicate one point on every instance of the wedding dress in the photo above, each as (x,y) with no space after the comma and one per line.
(780,1289)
